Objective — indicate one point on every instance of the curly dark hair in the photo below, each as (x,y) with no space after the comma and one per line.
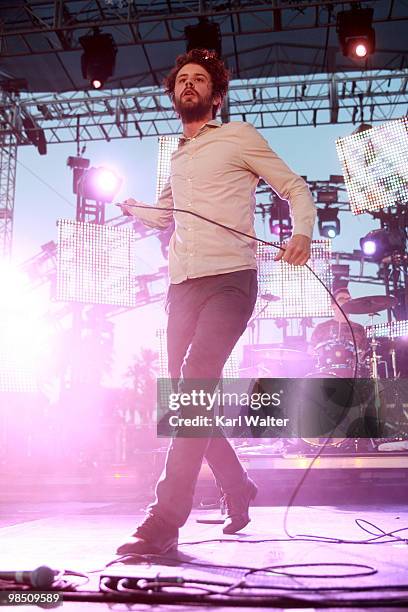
(209,60)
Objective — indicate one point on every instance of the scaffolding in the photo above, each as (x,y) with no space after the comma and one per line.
(8,163)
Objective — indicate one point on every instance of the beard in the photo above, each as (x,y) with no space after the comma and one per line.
(194,109)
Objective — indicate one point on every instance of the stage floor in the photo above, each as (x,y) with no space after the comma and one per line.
(83,536)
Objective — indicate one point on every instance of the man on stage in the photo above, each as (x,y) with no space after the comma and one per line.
(213,277)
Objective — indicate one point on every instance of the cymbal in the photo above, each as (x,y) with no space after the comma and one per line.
(268,297)
(369,304)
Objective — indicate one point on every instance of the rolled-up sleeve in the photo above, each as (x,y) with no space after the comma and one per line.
(258,157)
(158,219)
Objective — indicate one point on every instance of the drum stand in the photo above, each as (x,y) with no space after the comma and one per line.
(393,360)
(397,399)
(374,372)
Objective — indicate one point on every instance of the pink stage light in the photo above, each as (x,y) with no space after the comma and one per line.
(100,184)
(369,247)
(106,180)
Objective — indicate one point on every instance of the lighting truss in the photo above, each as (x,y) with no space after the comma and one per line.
(48,19)
(96,264)
(266,103)
(8,165)
(167,146)
(395,329)
(300,293)
(375,166)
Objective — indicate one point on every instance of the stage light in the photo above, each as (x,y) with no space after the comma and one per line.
(301,295)
(275,228)
(355,32)
(280,222)
(375,163)
(98,59)
(395,329)
(369,247)
(204,35)
(381,243)
(96,264)
(99,184)
(35,134)
(327,195)
(361,49)
(328,222)
(167,146)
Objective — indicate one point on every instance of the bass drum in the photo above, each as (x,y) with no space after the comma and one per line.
(320,397)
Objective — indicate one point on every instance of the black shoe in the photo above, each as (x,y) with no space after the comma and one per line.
(152,537)
(237,507)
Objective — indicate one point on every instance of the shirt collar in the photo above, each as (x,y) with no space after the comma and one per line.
(212,123)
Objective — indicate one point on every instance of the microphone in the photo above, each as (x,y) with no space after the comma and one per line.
(41,578)
(125,213)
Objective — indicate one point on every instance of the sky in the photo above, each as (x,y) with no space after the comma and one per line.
(44,194)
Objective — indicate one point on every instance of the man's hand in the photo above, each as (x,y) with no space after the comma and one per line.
(123,206)
(297,250)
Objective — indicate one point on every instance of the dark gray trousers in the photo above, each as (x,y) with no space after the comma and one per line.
(207,316)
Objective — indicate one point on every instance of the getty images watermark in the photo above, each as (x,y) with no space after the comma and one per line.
(273,408)
(208,402)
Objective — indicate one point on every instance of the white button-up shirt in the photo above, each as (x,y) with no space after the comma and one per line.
(215,174)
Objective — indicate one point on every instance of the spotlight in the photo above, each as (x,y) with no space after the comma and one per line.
(381,243)
(99,184)
(355,32)
(280,222)
(98,59)
(369,247)
(327,195)
(204,35)
(328,222)
(35,134)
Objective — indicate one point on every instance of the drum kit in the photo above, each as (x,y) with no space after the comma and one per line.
(335,357)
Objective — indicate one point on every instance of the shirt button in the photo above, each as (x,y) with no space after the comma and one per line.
(189,180)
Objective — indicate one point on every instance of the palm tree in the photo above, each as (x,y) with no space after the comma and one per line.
(142,374)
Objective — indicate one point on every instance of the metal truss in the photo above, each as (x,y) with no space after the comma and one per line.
(155,21)
(8,163)
(267,104)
